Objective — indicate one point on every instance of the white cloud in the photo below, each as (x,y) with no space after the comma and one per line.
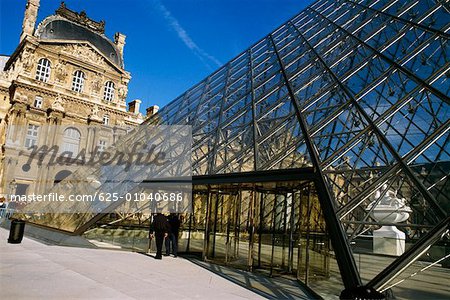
(205,57)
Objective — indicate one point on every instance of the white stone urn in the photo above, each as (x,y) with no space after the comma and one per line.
(387,210)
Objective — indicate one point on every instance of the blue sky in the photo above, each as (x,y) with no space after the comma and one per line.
(171,45)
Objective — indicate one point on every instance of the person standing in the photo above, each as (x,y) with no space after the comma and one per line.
(159,230)
(174,224)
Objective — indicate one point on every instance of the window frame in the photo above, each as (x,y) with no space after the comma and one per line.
(38,102)
(102,145)
(78,79)
(32,135)
(106,119)
(70,142)
(109,91)
(43,69)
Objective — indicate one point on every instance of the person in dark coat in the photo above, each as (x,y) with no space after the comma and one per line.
(174,223)
(159,229)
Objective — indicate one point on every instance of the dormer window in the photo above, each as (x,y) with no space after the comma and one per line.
(78,81)
(43,70)
(108,94)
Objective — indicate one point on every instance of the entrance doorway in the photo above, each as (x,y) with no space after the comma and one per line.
(275,228)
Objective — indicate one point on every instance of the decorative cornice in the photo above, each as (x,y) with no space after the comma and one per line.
(80,18)
(52,93)
(90,64)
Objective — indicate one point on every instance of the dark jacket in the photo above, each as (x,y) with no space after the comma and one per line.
(159,224)
(174,223)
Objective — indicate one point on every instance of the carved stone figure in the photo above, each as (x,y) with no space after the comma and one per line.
(123,91)
(81,18)
(27,60)
(61,70)
(58,103)
(94,115)
(95,111)
(84,53)
(96,83)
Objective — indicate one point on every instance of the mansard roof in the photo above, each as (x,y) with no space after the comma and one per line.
(70,25)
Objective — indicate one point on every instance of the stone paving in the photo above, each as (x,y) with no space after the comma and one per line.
(32,270)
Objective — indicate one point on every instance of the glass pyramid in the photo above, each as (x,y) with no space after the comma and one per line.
(363,85)
(356,90)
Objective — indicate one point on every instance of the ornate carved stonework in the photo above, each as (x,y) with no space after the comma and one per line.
(27,59)
(81,18)
(18,97)
(94,115)
(96,83)
(122,92)
(83,52)
(34,117)
(58,104)
(61,71)
(18,109)
(25,98)
(5,75)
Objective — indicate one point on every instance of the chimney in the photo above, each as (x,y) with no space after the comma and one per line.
(29,20)
(133,106)
(119,40)
(152,110)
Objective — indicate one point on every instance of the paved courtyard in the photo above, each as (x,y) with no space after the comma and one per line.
(32,270)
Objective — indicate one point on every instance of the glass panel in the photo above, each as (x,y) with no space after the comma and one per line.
(426,277)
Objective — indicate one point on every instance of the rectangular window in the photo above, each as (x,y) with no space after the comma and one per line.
(106,119)
(78,81)
(32,136)
(38,102)
(102,144)
(108,94)
(21,189)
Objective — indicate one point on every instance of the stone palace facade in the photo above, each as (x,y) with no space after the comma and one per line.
(65,85)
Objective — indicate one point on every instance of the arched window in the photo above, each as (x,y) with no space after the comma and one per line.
(43,70)
(78,81)
(108,95)
(61,175)
(106,119)
(71,141)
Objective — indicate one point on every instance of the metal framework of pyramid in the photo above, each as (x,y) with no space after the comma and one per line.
(357,90)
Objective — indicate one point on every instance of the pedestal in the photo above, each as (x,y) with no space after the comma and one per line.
(389,240)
